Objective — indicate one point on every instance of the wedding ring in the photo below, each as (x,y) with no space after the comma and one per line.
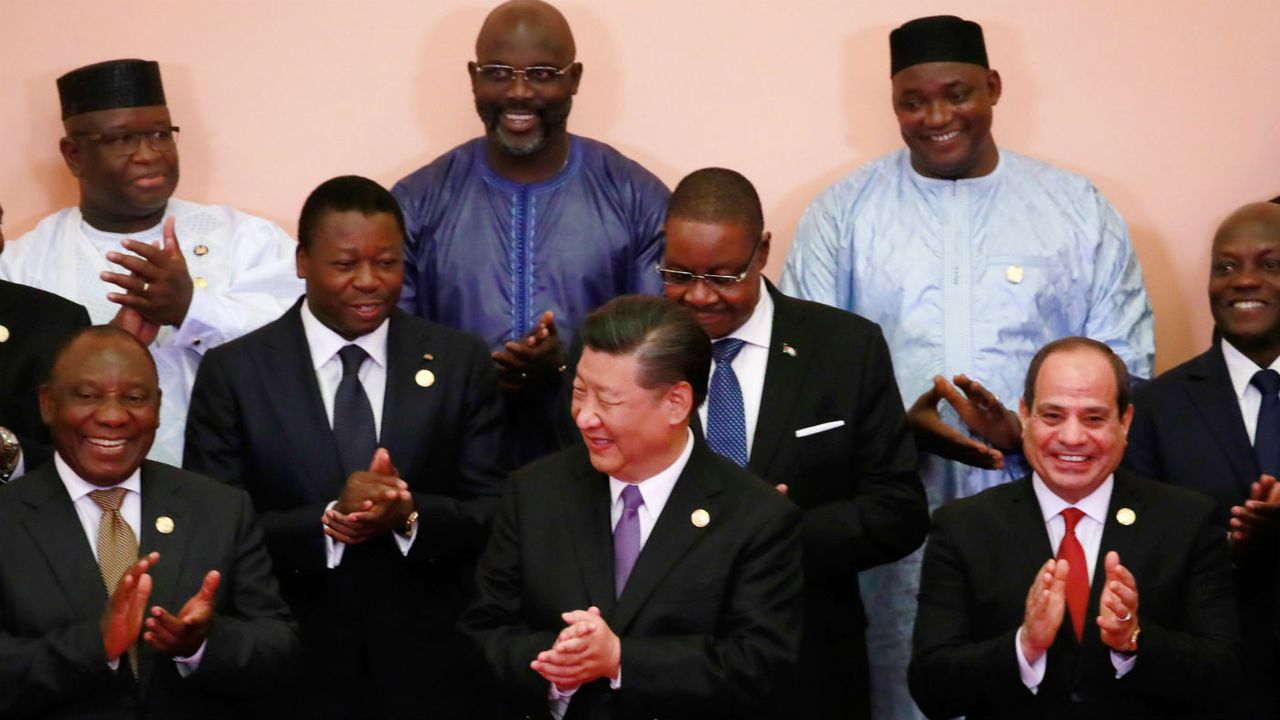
(145,286)
(1127,617)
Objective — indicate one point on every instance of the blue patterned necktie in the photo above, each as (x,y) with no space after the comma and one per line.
(726,421)
(626,538)
(1266,438)
(353,426)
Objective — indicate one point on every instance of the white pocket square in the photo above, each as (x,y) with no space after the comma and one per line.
(820,427)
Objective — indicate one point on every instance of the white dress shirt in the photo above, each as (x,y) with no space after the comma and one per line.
(1089,533)
(750,363)
(324,344)
(655,491)
(1241,369)
(90,515)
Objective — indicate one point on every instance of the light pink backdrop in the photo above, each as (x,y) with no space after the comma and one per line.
(1171,106)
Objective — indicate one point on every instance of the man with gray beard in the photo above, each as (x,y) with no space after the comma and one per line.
(517,235)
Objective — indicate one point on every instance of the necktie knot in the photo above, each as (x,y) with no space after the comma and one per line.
(352,357)
(1072,516)
(109,500)
(631,498)
(724,351)
(1267,381)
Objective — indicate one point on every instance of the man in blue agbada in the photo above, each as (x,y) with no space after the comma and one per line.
(517,235)
(970,257)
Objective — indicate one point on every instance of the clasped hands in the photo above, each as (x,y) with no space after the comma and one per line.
(1255,516)
(157,288)
(372,502)
(586,650)
(531,360)
(1117,618)
(979,409)
(170,635)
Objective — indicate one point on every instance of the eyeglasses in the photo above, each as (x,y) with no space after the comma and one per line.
(684,277)
(127,143)
(503,74)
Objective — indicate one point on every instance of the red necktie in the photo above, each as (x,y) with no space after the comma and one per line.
(1078,574)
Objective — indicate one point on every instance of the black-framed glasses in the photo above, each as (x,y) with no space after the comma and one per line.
(684,277)
(122,144)
(503,74)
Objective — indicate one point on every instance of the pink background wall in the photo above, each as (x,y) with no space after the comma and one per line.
(1171,106)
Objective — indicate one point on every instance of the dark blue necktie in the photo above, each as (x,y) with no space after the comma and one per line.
(353,426)
(1266,439)
(726,423)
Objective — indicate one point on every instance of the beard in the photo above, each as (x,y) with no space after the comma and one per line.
(552,119)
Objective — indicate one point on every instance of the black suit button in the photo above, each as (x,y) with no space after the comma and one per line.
(1077,696)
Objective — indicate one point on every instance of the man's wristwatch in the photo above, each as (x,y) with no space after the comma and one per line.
(10,451)
(410,523)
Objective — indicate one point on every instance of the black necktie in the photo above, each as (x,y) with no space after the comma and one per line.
(353,426)
(1266,438)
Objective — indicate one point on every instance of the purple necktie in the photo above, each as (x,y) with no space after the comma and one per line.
(626,537)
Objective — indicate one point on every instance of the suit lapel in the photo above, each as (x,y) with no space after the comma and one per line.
(56,529)
(586,503)
(783,377)
(1210,390)
(407,405)
(162,499)
(287,369)
(672,536)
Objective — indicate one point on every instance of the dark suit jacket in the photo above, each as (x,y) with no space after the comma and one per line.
(709,619)
(52,662)
(1187,430)
(37,322)
(257,421)
(980,561)
(857,484)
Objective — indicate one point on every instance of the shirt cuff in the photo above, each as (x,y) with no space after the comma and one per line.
(332,548)
(405,542)
(199,330)
(188,665)
(1032,674)
(558,701)
(616,681)
(1123,663)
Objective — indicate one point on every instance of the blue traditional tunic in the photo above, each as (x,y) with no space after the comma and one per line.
(489,256)
(965,276)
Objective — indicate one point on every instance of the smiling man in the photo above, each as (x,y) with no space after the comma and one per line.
(368,439)
(517,235)
(969,256)
(130,588)
(641,574)
(182,277)
(1212,424)
(1080,590)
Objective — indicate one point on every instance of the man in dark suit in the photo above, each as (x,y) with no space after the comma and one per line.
(817,413)
(642,575)
(32,325)
(217,634)
(1208,425)
(375,549)
(1077,592)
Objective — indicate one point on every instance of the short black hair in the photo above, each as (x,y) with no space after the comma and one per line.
(101,331)
(664,338)
(1123,391)
(343,194)
(717,195)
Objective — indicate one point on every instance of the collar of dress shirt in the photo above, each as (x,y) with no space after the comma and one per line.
(78,487)
(657,488)
(1241,368)
(759,326)
(326,343)
(1094,504)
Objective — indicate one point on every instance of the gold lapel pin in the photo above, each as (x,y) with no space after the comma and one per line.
(1125,516)
(164,524)
(788,350)
(700,518)
(200,283)
(1014,274)
(425,378)
(201,250)
(4,334)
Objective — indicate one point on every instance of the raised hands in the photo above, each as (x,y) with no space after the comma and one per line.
(183,634)
(122,619)
(372,502)
(587,649)
(1118,606)
(158,284)
(533,359)
(1257,515)
(1046,606)
(979,409)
